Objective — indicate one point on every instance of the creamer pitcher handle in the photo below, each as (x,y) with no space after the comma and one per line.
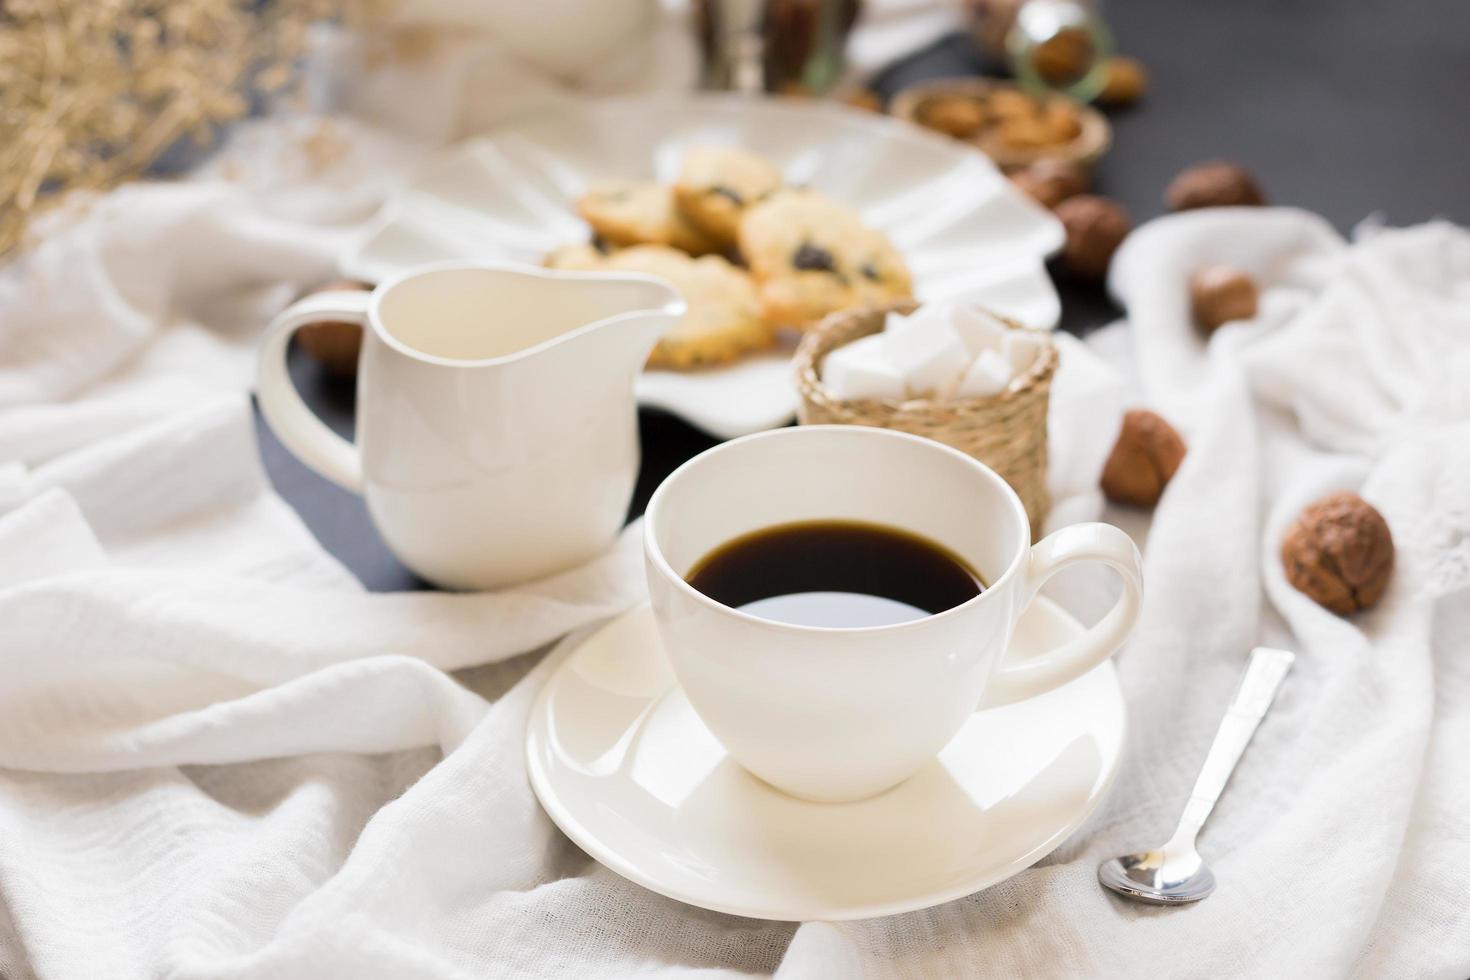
(1016,680)
(298,428)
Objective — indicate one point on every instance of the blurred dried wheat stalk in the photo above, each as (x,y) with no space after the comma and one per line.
(92,91)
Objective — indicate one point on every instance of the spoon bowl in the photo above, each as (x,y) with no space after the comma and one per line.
(1164,877)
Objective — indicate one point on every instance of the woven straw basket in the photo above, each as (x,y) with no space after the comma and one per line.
(1006,432)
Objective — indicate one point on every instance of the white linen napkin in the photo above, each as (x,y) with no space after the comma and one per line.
(201,710)
(222,759)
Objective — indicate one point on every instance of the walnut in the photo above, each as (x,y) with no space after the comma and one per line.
(1339,553)
(1125,80)
(959,116)
(1216,184)
(1143,460)
(1219,294)
(334,344)
(1050,182)
(1095,228)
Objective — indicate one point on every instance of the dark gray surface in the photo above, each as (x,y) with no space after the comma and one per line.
(1347,109)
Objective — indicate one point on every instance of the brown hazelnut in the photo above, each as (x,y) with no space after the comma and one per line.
(1023,133)
(1125,80)
(334,344)
(1050,182)
(1061,120)
(1143,460)
(1010,103)
(1216,184)
(1219,294)
(1095,228)
(1064,58)
(1339,553)
(959,116)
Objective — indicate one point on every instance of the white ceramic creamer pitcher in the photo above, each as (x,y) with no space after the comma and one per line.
(497,432)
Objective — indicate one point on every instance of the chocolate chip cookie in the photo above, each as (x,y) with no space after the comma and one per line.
(717,184)
(812,256)
(638,212)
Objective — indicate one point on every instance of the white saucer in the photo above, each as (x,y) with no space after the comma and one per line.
(626,769)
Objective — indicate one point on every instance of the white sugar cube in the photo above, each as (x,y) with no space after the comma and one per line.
(859,370)
(978,329)
(1021,348)
(988,375)
(926,350)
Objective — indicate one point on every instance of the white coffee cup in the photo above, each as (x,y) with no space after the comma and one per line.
(838,714)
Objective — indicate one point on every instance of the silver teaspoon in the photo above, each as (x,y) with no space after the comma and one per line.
(1175,873)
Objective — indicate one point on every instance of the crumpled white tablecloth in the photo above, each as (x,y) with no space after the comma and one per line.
(219,757)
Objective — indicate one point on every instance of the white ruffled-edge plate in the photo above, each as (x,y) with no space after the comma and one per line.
(965,231)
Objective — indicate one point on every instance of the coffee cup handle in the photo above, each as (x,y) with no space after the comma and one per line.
(1015,680)
(306,436)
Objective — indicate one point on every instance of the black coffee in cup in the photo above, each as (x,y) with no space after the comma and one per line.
(835,574)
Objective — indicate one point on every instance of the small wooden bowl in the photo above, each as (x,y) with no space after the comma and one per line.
(1005,431)
(1085,149)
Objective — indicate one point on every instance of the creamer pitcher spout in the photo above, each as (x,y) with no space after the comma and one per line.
(636,310)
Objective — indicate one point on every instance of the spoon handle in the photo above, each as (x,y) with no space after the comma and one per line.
(1257,688)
